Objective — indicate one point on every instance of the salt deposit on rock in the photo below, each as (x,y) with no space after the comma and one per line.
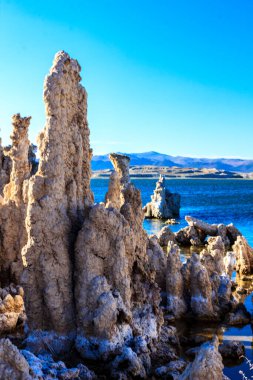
(164,204)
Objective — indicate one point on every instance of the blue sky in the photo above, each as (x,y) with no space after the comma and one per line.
(171,76)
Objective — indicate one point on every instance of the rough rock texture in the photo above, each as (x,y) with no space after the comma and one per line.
(176,304)
(213,256)
(194,290)
(60,188)
(232,350)
(19,156)
(164,204)
(198,231)
(24,365)
(229,263)
(112,264)
(12,363)
(207,364)
(11,308)
(244,256)
(5,168)
(164,236)
(113,196)
(190,236)
(13,234)
(157,260)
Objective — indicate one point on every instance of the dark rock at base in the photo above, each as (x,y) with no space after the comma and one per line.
(232,350)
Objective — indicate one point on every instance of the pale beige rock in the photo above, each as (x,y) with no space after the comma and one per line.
(208,229)
(207,364)
(18,153)
(5,168)
(157,259)
(58,195)
(121,166)
(13,234)
(213,257)
(164,236)
(176,304)
(164,204)
(244,256)
(113,196)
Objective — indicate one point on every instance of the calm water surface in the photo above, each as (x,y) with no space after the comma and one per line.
(214,201)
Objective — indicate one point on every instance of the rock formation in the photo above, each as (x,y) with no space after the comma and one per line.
(244,256)
(176,304)
(5,168)
(197,232)
(213,256)
(207,364)
(94,282)
(164,204)
(194,290)
(13,208)
(24,365)
(112,264)
(11,308)
(60,188)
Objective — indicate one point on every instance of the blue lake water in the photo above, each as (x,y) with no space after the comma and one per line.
(214,201)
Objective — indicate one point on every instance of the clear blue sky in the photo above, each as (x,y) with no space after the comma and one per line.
(171,76)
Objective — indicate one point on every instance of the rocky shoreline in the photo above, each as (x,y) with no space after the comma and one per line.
(85,292)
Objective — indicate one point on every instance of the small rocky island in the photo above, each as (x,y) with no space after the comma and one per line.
(85,293)
(164,204)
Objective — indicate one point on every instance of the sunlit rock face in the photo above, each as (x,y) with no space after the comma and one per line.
(57,196)
(13,234)
(5,168)
(244,256)
(164,204)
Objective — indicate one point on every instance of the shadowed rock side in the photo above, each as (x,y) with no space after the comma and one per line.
(13,234)
(164,204)
(60,189)
(112,264)
(5,168)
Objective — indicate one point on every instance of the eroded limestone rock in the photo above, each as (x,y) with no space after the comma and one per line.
(5,168)
(164,204)
(176,304)
(13,234)
(60,189)
(112,264)
(244,256)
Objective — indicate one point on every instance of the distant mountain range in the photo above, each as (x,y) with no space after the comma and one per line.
(158,159)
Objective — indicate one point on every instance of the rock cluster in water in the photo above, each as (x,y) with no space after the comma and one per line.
(86,281)
(164,204)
